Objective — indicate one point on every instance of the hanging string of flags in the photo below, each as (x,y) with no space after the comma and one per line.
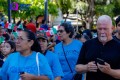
(49,32)
(14,27)
(2,39)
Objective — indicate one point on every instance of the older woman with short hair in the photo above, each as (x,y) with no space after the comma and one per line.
(67,50)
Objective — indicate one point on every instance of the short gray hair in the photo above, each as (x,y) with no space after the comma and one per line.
(106,19)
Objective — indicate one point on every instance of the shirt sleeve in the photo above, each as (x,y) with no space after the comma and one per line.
(56,67)
(81,58)
(44,67)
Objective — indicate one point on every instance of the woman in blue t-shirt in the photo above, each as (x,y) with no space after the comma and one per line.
(68,50)
(27,63)
(52,58)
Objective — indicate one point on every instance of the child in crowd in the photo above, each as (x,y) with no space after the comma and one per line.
(7,48)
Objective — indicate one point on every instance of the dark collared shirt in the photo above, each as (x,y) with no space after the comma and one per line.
(110,53)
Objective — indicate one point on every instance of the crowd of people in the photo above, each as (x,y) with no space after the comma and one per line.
(29,53)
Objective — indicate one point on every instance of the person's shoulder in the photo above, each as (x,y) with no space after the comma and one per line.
(51,55)
(41,56)
(77,41)
(50,52)
(14,54)
(91,41)
(57,41)
(59,44)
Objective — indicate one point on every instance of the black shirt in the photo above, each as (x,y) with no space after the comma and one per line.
(110,53)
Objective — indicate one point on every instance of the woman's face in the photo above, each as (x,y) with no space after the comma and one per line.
(22,42)
(62,33)
(6,49)
(43,44)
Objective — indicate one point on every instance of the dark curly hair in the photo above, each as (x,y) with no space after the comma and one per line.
(12,44)
(117,20)
(68,28)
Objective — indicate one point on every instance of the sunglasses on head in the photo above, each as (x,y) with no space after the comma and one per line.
(61,31)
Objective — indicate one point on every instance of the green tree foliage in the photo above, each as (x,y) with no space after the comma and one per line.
(3,5)
(36,8)
(108,7)
(64,5)
(116,9)
(105,8)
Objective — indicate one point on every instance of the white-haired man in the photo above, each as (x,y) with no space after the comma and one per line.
(100,57)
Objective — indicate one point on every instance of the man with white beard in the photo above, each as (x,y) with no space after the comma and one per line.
(117,35)
(100,57)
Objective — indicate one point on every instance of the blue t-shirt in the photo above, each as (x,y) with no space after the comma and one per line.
(54,63)
(72,51)
(16,63)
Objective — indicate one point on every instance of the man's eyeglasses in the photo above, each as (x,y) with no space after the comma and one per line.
(61,31)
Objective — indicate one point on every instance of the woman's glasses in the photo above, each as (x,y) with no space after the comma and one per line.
(61,31)
(21,39)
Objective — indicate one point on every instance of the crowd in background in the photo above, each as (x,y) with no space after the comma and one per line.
(30,51)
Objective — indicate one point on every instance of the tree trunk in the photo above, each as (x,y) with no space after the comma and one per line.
(14,20)
(90,13)
(66,16)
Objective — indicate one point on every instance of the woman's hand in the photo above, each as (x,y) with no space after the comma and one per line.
(27,76)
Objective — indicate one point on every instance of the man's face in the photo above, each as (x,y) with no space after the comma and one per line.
(118,28)
(104,31)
